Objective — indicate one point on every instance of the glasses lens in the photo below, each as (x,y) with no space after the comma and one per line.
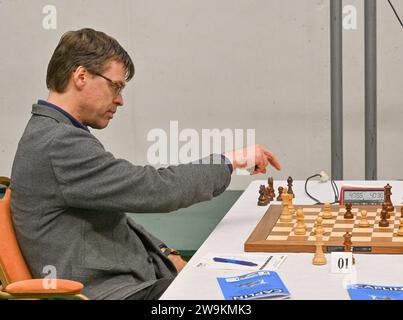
(118,89)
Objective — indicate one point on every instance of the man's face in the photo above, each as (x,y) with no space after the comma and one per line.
(100,99)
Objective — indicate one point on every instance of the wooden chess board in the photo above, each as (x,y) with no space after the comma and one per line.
(271,235)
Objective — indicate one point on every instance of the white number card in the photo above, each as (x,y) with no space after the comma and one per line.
(341,262)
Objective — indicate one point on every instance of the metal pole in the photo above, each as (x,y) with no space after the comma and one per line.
(336,69)
(370,91)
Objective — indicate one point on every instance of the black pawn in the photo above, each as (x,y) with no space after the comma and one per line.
(290,191)
(347,242)
(348,214)
(263,199)
(270,189)
(384,214)
(280,191)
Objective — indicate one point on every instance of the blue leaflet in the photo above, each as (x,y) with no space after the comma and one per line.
(374,292)
(254,285)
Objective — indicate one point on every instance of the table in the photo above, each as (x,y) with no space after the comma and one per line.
(305,281)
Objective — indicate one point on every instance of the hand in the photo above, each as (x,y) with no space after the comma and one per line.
(254,156)
(176,259)
(178,262)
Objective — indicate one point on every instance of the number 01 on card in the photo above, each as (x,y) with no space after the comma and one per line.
(341,262)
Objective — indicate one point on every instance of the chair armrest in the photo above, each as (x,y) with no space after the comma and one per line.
(38,286)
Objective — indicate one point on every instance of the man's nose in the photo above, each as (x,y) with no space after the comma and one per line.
(118,100)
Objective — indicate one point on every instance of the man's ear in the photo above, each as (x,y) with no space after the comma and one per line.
(80,77)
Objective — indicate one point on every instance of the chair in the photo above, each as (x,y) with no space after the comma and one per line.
(15,277)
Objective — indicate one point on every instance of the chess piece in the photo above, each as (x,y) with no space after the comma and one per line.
(284,197)
(263,199)
(319,257)
(364,221)
(348,214)
(289,181)
(384,217)
(388,200)
(270,189)
(285,214)
(327,211)
(291,205)
(386,208)
(401,212)
(300,228)
(400,231)
(318,225)
(347,242)
(268,193)
(280,191)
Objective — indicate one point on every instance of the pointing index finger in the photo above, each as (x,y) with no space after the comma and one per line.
(272,159)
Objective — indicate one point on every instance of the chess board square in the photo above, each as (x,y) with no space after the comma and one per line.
(381,240)
(360,239)
(292,234)
(341,217)
(341,231)
(344,225)
(383,230)
(337,234)
(311,210)
(357,225)
(367,234)
(313,238)
(277,238)
(297,238)
(382,234)
(362,230)
(282,229)
(284,225)
(328,222)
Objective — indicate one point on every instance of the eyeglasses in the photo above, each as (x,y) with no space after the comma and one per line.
(116,86)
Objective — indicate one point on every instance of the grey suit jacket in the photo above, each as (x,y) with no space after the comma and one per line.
(69,204)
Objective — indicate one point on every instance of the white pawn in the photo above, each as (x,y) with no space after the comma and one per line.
(327,213)
(319,257)
(318,225)
(400,231)
(285,214)
(364,221)
(284,197)
(300,228)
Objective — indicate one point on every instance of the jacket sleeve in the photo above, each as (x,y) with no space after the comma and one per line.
(91,178)
(156,241)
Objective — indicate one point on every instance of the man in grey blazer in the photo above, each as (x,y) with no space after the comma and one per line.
(70,196)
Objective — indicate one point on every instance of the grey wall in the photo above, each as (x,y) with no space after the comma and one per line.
(260,64)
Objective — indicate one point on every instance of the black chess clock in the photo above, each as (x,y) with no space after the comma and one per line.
(362,195)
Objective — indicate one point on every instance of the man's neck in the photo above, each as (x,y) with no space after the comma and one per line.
(64,102)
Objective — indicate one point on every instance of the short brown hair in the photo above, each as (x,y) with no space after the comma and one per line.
(88,48)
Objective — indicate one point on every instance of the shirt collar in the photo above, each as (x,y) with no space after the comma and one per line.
(73,120)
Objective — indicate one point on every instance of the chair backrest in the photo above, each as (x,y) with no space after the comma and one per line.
(12,264)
